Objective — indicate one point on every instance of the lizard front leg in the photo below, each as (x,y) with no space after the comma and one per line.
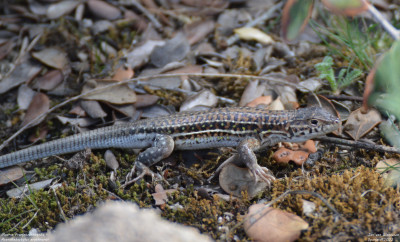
(161,148)
(247,157)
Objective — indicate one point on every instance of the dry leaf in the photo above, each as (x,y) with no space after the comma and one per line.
(10,174)
(59,9)
(359,124)
(123,73)
(236,180)
(161,195)
(103,10)
(253,90)
(174,49)
(23,73)
(270,224)
(146,100)
(250,33)
(25,96)
(121,94)
(263,100)
(81,122)
(197,31)
(93,109)
(141,54)
(6,48)
(203,98)
(111,161)
(49,81)
(40,104)
(391,171)
(52,57)
(284,155)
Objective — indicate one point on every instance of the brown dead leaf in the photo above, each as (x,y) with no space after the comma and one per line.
(93,109)
(271,224)
(121,94)
(103,10)
(254,89)
(49,81)
(40,104)
(53,57)
(284,155)
(40,135)
(197,31)
(146,100)
(263,100)
(10,174)
(359,124)
(23,73)
(161,196)
(141,54)
(236,180)
(123,73)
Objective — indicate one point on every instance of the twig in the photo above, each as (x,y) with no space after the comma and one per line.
(266,78)
(393,32)
(360,145)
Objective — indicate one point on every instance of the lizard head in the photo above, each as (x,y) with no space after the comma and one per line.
(311,122)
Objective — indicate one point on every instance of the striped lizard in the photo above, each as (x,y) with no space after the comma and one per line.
(247,129)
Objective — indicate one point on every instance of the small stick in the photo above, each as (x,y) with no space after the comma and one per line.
(358,144)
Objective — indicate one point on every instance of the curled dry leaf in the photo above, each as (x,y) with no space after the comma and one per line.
(22,73)
(236,180)
(358,124)
(10,174)
(40,104)
(52,57)
(121,94)
(250,33)
(272,224)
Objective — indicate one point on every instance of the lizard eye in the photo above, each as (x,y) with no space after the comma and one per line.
(314,122)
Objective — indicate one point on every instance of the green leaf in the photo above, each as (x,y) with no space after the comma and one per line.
(296,14)
(385,94)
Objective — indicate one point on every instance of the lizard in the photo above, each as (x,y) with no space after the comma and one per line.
(248,129)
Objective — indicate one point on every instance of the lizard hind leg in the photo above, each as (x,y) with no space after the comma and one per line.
(162,147)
